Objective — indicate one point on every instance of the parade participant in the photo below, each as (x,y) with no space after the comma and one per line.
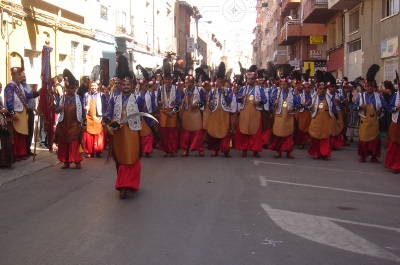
(283,128)
(169,107)
(370,106)
(219,121)
(346,108)
(192,134)
(126,142)
(204,81)
(146,104)
(6,150)
(16,102)
(265,113)
(69,129)
(323,111)
(392,159)
(251,99)
(337,139)
(30,111)
(93,136)
(304,116)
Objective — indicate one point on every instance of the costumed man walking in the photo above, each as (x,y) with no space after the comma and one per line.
(324,114)
(169,105)
(219,121)
(392,159)
(304,115)
(192,134)
(283,128)
(370,106)
(126,139)
(17,105)
(93,136)
(337,139)
(146,103)
(6,148)
(251,99)
(30,111)
(68,133)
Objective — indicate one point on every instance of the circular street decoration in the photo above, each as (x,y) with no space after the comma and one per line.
(234,10)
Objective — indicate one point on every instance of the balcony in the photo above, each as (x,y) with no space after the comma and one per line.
(123,28)
(316,11)
(293,31)
(342,4)
(172,45)
(289,4)
(280,57)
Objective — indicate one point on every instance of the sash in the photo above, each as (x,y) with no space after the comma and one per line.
(315,103)
(20,94)
(289,101)
(378,104)
(98,103)
(78,109)
(131,107)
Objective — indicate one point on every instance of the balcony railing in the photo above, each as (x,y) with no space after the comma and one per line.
(316,11)
(123,27)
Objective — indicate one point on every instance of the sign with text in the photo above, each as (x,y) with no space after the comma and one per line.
(190,44)
(390,48)
(316,39)
(315,54)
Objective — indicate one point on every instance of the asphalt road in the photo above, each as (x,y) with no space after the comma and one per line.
(203,211)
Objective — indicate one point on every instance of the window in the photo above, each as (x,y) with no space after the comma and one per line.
(104,12)
(354,21)
(355,46)
(390,7)
(85,53)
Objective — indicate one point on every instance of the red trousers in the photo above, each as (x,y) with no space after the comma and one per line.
(282,144)
(302,138)
(69,152)
(265,136)
(93,143)
(147,143)
(392,159)
(337,141)
(372,148)
(192,141)
(128,176)
(320,147)
(219,144)
(19,144)
(249,142)
(169,139)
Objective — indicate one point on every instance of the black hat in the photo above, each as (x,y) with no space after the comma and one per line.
(286,70)
(252,72)
(319,76)
(123,71)
(69,78)
(167,69)
(306,75)
(145,74)
(371,73)
(271,70)
(221,71)
(296,75)
(201,75)
(330,80)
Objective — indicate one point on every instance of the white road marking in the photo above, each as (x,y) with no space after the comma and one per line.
(327,188)
(322,230)
(263,181)
(257,162)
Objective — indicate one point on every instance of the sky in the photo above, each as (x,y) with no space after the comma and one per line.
(232,20)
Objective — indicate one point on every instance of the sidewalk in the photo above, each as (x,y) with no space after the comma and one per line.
(43,159)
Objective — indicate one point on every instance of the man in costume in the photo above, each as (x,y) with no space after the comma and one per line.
(126,142)
(283,128)
(93,137)
(17,105)
(337,139)
(30,111)
(192,134)
(68,134)
(370,106)
(251,99)
(169,105)
(304,114)
(392,159)
(324,114)
(146,103)
(219,121)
